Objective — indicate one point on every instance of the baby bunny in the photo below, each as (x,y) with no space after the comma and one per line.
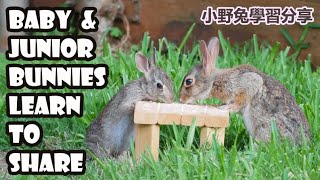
(110,133)
(258,97)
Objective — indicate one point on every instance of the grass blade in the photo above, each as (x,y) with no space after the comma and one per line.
(191,134)
(288,37)
(186,37)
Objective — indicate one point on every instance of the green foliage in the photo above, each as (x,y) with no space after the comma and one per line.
(300,44)
(116,32)
(180,155)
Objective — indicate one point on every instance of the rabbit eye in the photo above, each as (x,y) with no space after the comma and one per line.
(189,82)
(159,86)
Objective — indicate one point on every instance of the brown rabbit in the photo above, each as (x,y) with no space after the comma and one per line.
(258,97)
(111,132)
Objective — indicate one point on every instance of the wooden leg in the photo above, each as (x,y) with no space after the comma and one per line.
(147,136)
(220,133)
(206,134)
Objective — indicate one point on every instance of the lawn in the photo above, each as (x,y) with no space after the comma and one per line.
(180,155)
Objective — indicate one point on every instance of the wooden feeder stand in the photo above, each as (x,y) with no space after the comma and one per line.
(148,116)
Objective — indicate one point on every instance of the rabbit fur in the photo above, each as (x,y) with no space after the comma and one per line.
(258,97)
(109,135)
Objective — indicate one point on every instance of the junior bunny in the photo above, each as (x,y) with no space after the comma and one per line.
(245,89)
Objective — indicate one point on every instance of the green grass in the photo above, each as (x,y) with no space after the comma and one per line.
(180,155)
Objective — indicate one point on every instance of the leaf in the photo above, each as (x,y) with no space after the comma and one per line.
(191,134)
(116,32)
(288,37)
(314,25)
(186,37)
(304,45)
(255,44)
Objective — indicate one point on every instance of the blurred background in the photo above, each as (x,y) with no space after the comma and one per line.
(127,20)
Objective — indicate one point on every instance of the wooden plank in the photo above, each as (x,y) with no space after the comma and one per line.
(179,114)
(144,113)
(206,134)
(190,112)
(216,118)
(147,136)
(169,114)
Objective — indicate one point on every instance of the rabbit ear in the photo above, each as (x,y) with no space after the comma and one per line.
(206,60)
(142,63)
(213,47)
(153,58)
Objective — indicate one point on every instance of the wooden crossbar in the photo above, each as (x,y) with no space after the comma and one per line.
(148,116)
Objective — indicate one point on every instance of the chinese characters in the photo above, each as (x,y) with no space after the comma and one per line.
(257,15)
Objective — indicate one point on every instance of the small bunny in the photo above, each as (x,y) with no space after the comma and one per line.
(259,98)
(109,135)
